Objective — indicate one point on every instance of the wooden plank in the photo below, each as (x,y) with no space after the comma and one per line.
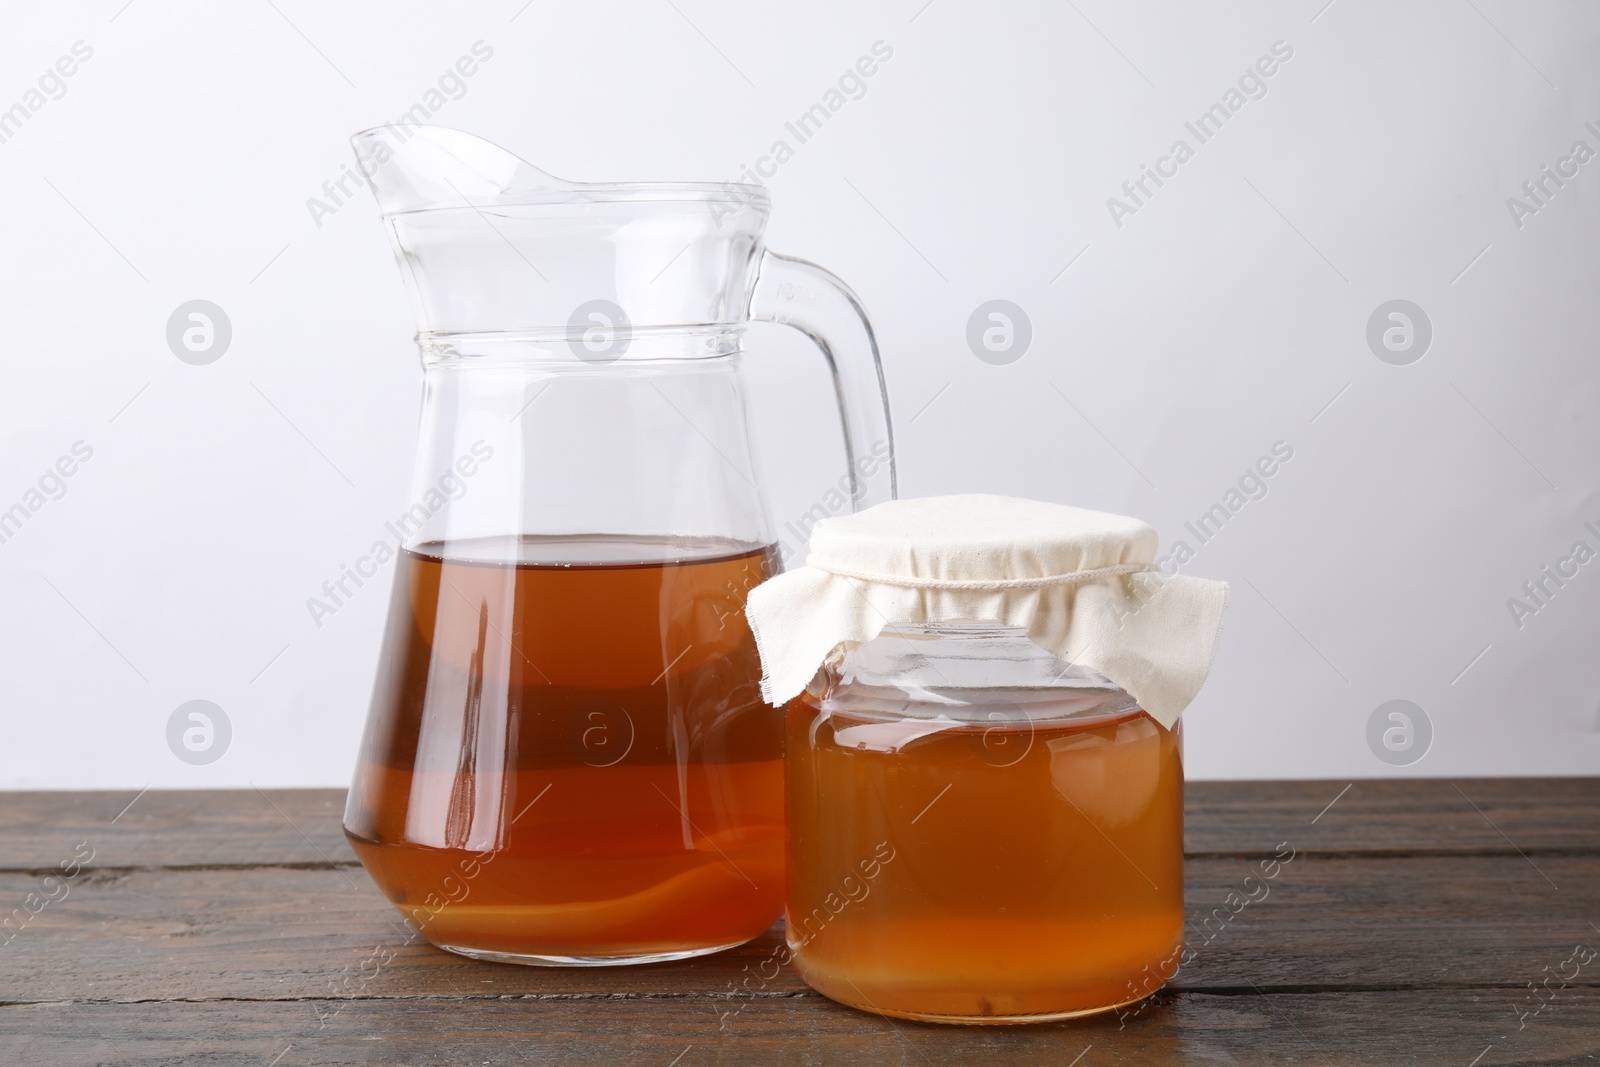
(1496,815)
(1428,1028)
(174,828)
(301,826)
(1323,922)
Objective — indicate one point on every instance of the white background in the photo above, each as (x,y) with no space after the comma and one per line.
(1227,314)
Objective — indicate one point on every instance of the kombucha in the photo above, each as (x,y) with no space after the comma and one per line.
(567,759)
(1017,870)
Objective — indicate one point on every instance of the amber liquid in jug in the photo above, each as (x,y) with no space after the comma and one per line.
(1010,871)
(567,759)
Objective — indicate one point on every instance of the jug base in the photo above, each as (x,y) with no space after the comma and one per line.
(531,960)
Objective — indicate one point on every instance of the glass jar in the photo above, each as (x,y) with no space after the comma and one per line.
(979,832)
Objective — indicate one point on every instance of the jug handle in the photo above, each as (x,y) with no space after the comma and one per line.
(814,301)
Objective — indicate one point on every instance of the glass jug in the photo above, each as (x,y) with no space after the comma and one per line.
(567,760)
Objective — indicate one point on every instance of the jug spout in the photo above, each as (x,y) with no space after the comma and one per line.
(491,244)
(417,168)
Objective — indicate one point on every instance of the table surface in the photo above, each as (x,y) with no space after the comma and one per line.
(1419,922)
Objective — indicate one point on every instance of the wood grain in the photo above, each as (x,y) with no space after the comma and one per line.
(1388,815)
(174,828)
(1325,923)
(1426,1028)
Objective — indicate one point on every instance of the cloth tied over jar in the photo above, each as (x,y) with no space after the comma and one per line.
(1082,584)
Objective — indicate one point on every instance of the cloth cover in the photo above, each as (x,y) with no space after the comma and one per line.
(1017,562)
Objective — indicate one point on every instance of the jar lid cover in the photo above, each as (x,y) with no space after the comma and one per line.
(1082,583)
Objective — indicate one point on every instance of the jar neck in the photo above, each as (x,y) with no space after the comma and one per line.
(965,669)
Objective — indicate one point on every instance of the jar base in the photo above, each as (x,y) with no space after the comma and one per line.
(992,1020)
(535,960)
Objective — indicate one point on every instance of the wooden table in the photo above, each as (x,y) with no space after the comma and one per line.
(1419,922)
